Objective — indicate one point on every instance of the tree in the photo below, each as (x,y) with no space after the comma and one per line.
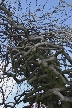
(37,51)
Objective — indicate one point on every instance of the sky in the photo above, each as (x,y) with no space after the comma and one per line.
(9,83)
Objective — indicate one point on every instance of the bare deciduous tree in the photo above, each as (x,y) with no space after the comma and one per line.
(39,52)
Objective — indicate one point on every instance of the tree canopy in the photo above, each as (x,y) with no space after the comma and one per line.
(38,45)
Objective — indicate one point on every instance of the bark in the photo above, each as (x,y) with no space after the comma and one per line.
(63,98)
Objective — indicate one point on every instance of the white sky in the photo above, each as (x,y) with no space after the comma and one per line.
(7,84)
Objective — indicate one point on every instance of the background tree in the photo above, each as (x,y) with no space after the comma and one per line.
(38,45)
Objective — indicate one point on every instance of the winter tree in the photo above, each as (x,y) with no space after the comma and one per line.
(36,46)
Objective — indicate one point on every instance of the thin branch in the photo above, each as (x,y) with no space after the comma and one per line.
(5,10)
